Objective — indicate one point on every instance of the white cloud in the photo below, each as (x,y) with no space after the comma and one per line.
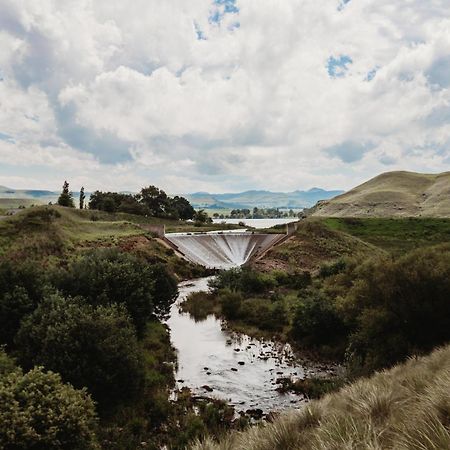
(126,93)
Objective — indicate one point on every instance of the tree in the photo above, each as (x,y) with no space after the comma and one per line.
(107,276)
(82,197)
(90,346)
(21,289)
(39,411)
(180,208)
(65,199)
(202,217)
(155,200)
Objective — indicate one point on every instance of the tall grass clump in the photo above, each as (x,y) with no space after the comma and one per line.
(404,408)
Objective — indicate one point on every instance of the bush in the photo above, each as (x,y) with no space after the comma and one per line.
(328,270)
(400,307)
(89,346)
(107,276)
(316,320)
(38,411)
(231,304)
(21,289)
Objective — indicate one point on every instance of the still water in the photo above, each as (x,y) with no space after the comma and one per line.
(238,369)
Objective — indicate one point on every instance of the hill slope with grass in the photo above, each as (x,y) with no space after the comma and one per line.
(320,240)
(393,194)
(405,408)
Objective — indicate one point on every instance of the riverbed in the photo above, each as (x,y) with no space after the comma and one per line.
(241,370)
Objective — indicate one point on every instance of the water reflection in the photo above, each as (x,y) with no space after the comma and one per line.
(230,366)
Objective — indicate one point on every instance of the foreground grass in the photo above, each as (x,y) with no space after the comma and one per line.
(405,408)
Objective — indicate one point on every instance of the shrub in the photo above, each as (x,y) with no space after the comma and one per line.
(38,411)
(89,346)
(231,304)
(21,288)
(107,276)
(316,319)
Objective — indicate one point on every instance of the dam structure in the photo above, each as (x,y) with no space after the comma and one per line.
(222,249)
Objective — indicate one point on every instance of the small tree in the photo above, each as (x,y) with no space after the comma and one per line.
(65,199)
(39,411)
(82,197)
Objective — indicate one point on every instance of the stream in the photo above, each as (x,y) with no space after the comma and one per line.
(214,362)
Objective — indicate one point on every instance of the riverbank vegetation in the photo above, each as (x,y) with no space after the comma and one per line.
(405,408)
(83,339)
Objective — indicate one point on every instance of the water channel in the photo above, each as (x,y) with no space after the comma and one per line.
(214,362)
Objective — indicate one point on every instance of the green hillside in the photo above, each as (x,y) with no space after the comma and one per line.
(321,240)
(393,194)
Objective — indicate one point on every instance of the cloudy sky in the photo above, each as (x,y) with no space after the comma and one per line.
(221,95)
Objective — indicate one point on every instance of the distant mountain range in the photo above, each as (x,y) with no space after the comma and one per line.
(261,199)
(247,199)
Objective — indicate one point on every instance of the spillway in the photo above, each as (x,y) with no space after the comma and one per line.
(222,250)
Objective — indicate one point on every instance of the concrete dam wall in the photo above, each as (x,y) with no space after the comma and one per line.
(222,250)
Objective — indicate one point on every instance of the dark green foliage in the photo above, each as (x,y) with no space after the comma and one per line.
(400,307)
(316,320)
(107,276)
(21,288)
(263,314)
(82,198)
(202,217)
(7,364)
(328,270)
(151,201)
(116,202)
(245,280)
(231,303)
(40,412)
(66,199)
(90,346)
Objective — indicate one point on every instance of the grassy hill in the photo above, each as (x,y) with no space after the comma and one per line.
(405,408)
(50,234)
(393,194)
(321,240)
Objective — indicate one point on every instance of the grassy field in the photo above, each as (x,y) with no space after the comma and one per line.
(321,240)
(13,203)
(394,235)
(405,408)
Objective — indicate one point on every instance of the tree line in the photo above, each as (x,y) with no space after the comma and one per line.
(150,201)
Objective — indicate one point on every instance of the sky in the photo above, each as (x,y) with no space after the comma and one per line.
(221,95)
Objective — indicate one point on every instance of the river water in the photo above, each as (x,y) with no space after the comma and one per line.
(238,369)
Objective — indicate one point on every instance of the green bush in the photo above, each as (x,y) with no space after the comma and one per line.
(230,304)
(399,307)
(108,276)
(90,346)
(38,411)
(21,288)
(316,320)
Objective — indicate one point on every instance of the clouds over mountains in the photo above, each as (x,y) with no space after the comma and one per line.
(224,94)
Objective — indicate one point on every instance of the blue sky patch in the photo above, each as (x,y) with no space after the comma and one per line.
(337,67)
(223,7)
(349,151)
(6,137)
(371,74)
(342,4)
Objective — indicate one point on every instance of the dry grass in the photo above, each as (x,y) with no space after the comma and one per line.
(393,194)
(405,408)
